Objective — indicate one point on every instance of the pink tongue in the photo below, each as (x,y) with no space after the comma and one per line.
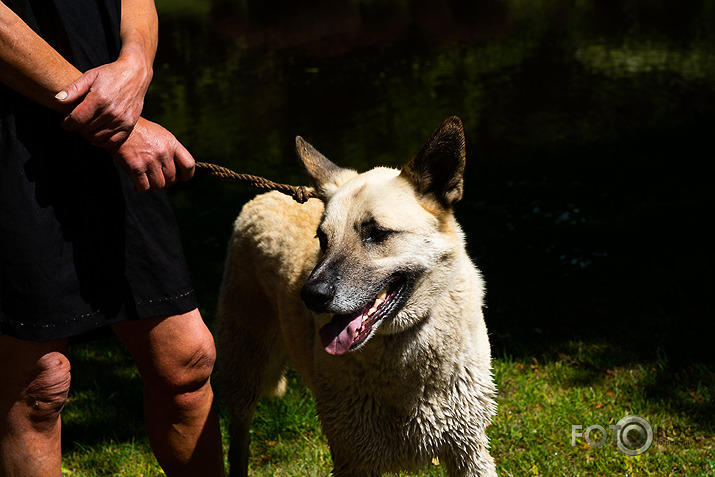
(338,335)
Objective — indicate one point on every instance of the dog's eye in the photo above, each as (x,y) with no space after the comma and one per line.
(323,239)
(377,235)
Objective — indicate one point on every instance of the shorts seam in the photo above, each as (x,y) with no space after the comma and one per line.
(56,324)
(163,299)
(93,313)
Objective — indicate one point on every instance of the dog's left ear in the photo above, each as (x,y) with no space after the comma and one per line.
(438,169)
(324,175)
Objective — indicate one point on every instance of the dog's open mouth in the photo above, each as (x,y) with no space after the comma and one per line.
(348,332)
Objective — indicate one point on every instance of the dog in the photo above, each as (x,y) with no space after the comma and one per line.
(369,291)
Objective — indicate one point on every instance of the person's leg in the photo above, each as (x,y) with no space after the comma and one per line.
(34,383)
(175,356)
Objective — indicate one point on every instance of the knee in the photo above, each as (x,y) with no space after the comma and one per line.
(186,369)
(198,364)
(46,393)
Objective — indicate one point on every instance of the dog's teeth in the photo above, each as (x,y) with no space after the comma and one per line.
(381,298)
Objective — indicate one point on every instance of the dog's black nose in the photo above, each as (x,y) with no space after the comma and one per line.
(317,295)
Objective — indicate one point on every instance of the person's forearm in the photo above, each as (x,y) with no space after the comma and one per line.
(29,65)
(33,68)
(139,31)
(149,153)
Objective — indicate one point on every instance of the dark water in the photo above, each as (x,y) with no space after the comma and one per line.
(589,195)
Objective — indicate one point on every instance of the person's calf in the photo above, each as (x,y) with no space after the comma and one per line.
(182,420)
(175,356)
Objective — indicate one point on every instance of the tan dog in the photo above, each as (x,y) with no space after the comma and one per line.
(389,334)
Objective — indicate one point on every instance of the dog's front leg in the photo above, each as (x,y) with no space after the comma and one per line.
(353,473)
(238,451)
(481,464)
(350,468)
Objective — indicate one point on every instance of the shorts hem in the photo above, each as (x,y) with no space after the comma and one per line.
(88,322)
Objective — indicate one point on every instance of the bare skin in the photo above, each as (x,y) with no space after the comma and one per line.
(175,354)
(175,357)
(95,103)
(34,390)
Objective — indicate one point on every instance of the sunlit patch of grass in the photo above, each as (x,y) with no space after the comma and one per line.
(540,399)
(286,437)
(111,459)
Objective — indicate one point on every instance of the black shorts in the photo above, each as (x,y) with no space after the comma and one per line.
(79,248)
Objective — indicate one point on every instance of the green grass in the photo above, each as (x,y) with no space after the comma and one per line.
(540,398)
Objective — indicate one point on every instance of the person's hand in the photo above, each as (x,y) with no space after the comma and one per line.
(153,157)
(109,100)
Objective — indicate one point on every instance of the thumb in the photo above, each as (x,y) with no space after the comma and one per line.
(185,164)
(77,89)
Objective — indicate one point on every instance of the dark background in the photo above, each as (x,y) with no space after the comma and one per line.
(590,145)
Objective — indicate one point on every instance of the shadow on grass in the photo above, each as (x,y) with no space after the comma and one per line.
(105,402)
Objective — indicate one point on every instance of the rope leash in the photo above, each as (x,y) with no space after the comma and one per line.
(300,194)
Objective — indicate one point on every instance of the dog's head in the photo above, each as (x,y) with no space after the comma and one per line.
(387,237)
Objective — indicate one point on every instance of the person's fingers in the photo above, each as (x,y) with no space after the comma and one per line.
(77,89)
(97,111)
(107,138)
(153,157)
(80,119)
(169,172)
(96,114)
(76,92)
(185,164)
(156,178)
(141,182)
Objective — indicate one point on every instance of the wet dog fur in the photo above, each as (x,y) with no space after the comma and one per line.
(370,293)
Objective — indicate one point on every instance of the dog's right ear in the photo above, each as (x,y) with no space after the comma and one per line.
(437,170)
(324,175)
